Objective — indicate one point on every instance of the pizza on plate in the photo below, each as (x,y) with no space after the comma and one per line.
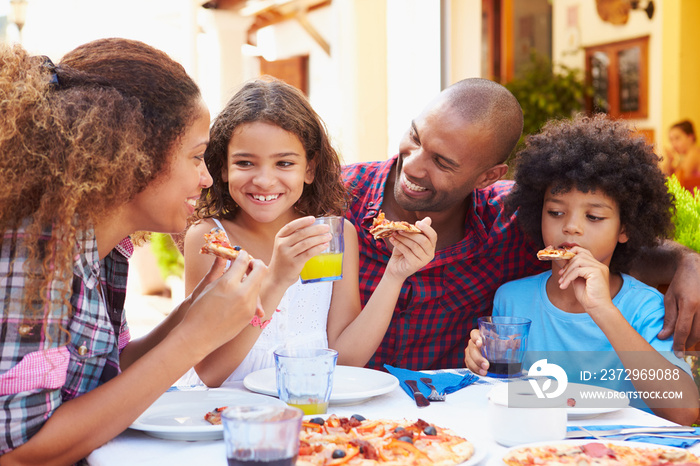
(382,228)
(358,441)
(552,254)
(214,417)
(217,244)
(599,454)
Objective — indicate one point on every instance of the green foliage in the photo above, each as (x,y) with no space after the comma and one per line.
(687,215)
(170,261)
(545,93)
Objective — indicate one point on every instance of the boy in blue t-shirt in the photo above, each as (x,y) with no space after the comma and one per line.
(591,186)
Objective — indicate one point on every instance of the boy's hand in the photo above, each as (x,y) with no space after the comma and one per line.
(590,279)
(295,243)
(412,251)
(473,358)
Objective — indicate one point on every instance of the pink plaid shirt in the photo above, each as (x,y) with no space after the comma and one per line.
(39,368)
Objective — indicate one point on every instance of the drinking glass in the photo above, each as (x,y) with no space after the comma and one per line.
(328,265)
(305,377)
(504,344)
(256,434)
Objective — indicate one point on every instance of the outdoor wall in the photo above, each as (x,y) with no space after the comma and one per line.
(464,44)
(576,25)
(680,65)
(220,65)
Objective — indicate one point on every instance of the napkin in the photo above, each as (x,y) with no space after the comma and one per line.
(667,441)
(445,382)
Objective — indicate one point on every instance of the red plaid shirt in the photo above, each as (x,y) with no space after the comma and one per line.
(438,306)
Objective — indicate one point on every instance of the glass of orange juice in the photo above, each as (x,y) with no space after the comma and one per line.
(305,377)
(328,265)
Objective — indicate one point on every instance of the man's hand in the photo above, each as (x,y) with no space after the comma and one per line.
(682,302)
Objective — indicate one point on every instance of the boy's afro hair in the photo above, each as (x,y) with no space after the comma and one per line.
(594,154)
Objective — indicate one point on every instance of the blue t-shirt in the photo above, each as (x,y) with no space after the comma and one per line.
(575,338)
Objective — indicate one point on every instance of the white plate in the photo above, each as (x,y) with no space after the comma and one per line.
(179,415)
(477,457)
(350,384)
(499,461)
(608,401)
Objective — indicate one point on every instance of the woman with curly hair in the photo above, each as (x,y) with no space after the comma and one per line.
(108,143)
(275,170)
(590,186)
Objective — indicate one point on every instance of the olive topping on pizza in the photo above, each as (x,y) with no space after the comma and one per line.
(382,228)
(217,244)
(552,254)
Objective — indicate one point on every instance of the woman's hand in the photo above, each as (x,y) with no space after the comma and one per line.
(412,251)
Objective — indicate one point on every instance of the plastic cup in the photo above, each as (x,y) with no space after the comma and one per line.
(504,344)
(305,378)
(256,435)
(328,265)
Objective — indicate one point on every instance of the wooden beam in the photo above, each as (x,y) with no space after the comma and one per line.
(303,20)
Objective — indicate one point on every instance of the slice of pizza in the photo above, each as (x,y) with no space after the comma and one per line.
(553,254)
(382,228)
(214,417)
(217,244)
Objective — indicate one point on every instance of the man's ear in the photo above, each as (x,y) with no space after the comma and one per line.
(491,175)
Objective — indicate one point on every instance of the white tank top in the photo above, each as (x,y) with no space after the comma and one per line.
(299,321)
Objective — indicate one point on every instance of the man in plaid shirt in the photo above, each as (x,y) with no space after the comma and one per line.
(448,168)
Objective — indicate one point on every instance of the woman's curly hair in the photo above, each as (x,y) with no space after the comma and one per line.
(272,101)
(79,139)
(594,154)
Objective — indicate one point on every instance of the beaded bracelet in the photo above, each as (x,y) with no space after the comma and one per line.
(256,322)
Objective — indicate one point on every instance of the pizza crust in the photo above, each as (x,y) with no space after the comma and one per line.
(553,254)
(382,228)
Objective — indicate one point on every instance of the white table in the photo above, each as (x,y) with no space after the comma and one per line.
(464,411)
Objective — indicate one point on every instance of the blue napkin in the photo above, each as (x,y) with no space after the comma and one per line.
(667,441)
(445,382)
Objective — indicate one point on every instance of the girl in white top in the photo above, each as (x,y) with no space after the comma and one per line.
(274,170)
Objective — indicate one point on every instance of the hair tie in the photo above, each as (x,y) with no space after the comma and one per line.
(48,65)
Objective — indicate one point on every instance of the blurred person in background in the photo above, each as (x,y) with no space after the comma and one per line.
(683,157)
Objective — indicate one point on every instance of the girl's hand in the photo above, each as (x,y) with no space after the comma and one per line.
(412,251)
(473,358)
(590,279)
(224,302)
(295,243)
